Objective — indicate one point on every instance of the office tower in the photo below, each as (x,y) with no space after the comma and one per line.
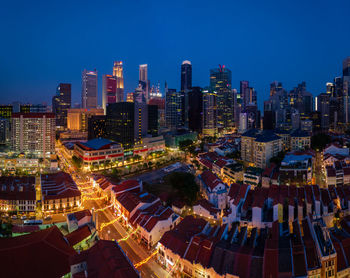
(186,76)
(220,83)
(143,80)
(330,88)
(237,106)
(78,118)
(89,89)
(127,122)
(97,127)
(118,74)
(33,133)
(61,102)
(323,106)
(269,120)
(243,122)
(244,91)
(5,135)
(301,100)
(195,109)
(186,85)
(252,116)
(109,90)
(209,113)
(120,119)
(155,92)
(153,122)
(32,108)
(295,117)
(173,111)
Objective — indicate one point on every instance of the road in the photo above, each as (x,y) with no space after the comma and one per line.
(115,231)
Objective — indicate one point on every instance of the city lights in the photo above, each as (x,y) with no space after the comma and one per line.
(145,260)
(103,225)
(127,237)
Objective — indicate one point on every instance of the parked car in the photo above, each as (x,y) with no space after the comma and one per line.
(23,217)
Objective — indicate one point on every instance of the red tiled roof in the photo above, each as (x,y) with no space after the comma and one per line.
(210,179)
(17,188)
(206,163)
(82,213)
(58,186)
(40,254)
(106,259)
(241,193)
(127,186)
(18,229)
(204,203)
(220,163)
(78,235)
(199,250)
(270,265)
(234,190)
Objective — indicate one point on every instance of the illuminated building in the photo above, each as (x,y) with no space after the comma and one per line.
(130,97)
(78,117)
(61,102)
(173,109)
(160,102)
(96,127)
(5,135)
(33,133)
(89,89)
(109,90)
(17,194)
(98,151)
(118,74)
(144,83)
(220,83)
(6,111)
(186,86)
(209,113)
(59,193)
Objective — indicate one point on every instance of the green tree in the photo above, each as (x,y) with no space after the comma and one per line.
(77,162)
(184,185)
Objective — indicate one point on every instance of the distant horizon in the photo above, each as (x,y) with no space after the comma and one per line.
(259,41)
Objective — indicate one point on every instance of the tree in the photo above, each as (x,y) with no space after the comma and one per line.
(183,145)
(184,185)
(77,162)
(319,141)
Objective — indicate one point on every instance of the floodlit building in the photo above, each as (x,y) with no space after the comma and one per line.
(89,89)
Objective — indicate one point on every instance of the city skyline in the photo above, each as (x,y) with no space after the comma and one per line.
(282,48)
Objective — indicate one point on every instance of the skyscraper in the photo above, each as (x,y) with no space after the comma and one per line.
(209,113)
(195,109)
(61,102)
(173,112)
(109,90)
(118,74)
(220,83)
(89,89)
(143,80)
(186,76)
(346,67)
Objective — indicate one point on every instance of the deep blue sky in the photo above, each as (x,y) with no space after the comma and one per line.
(47,42)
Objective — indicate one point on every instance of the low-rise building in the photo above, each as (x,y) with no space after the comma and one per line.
(214,189)
(232,173)
(300,140)
(252,176)
(17,194)
(59,193)
(204,208)
(149,145)
(99,151)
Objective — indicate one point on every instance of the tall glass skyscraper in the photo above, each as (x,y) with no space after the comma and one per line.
(109,90)
(221,83)
(61,102)
(89,89)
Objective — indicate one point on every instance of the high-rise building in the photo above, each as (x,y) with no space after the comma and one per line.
(209,113)
(61,102)
(78,118)
(118,74)
(173,109)
(160,102)
(346,67)
(143,80)
(153,122)
(33,133)
(186,76)
(127,122)
(130,97)
(89,89)
(195,109)
(220,83)
(6,111)
(301,100)
(275,87)
(109,90)
(97,127)
(323,106)
(5,135)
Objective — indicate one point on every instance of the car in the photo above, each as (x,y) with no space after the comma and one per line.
(14,217)
(23,217)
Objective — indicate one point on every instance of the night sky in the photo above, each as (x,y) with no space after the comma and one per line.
(47,42)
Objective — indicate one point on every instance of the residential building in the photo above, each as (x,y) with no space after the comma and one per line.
(33,133)
(300,140)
